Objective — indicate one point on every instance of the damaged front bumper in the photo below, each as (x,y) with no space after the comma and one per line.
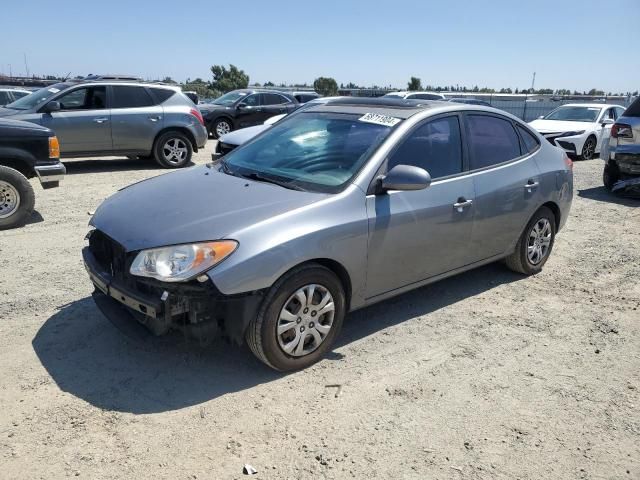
(197,309)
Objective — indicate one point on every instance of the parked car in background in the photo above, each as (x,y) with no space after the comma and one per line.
(9,95)
(332,209)
(193,96)
(622,161)
(229,141)
(114,117)
(304,97)
(244,108)
(470,101)
(26,151)
(417,95)
(579,128)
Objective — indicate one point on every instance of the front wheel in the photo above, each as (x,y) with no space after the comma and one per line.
(588,149)
(535,244)
(17,198)
(299,319)
(173,150)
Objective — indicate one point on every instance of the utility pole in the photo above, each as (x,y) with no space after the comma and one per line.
(26,67)
(533,82)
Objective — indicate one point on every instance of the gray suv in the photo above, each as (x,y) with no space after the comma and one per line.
(104,118)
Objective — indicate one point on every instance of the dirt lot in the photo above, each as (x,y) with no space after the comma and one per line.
(486,375)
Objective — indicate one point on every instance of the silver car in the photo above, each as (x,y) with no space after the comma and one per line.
(104,118)
(330,210)
(622,157)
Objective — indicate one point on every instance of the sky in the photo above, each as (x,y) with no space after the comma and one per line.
(573,44)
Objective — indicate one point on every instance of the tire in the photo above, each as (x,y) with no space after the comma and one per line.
(589,148)
(221,126)
(520,260)
(610,176)
(262,334)
(17,198)
(173,149)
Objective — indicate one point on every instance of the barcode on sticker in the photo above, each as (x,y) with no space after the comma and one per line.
(379,119)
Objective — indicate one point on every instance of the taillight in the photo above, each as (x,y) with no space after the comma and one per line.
(621,130)
(54,147)
(568,162)
(196,113)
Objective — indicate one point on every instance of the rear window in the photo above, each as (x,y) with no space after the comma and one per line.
(530,142)
(161,94)
(130,97)
(633,110)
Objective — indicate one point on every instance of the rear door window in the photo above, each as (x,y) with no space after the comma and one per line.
(435,146)
(273,99)
(130,97)
(492,140)
(633,110)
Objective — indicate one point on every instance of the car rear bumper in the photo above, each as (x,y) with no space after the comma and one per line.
(199,310)
(50,175)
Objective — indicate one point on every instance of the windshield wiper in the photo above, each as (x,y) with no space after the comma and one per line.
(267,179)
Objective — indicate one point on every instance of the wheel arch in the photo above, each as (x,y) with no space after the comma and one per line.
(20,165)
(556,212)
(182,130)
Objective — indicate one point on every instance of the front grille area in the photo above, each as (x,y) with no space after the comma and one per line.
(110,254)
(224,148)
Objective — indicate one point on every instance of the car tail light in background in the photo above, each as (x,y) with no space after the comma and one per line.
(568,162)
(54,147)
(621,130)
(196,113)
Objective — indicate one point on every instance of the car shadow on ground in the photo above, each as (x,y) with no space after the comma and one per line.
(92,360)
(122,164)
(601,194)
(35,217)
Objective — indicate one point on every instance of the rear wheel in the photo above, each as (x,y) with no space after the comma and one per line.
(535,244)
(588,149)
(173,149)
(610,176)
(221,127)
(299,320)
(17,198)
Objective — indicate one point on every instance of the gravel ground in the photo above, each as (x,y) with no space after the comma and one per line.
(485,375)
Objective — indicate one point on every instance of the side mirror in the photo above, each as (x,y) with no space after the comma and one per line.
(405,177)
(607,121)
(242,106)
(51,107)
(540,117)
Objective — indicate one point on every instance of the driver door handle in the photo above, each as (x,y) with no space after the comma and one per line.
(101,120)
(461,204)
(530,185)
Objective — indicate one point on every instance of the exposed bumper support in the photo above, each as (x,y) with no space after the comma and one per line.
(50,175)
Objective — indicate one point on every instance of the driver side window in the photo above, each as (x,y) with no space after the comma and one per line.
(87,98)
(435,146)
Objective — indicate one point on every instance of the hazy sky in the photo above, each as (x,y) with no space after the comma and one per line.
(574,44)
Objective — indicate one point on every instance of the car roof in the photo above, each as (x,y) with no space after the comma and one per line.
(399,108)
(599,105)
(412,92)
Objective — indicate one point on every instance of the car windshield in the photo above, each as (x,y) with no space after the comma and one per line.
(37,97)
(229,98)
(313,151)
(574,114)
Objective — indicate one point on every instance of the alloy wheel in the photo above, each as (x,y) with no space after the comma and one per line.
(9,199)
(175,151)
(222,128)
(305,320)
(588,149)
(539,241)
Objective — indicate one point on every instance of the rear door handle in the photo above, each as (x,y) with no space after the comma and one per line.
(530,185)
(101,120)
(155,119)
(462,203)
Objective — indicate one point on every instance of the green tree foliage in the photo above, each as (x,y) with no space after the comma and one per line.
(226,80)
(326,86)
(415,84)
(269,84)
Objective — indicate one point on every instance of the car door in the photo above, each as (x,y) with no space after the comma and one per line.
(506,182)
(135,120)
(605,122)
(414,235)
(273,104)
(82,124)
(249,111)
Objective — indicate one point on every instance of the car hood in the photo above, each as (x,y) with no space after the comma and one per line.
(192,205)
(243,135)
(548,126)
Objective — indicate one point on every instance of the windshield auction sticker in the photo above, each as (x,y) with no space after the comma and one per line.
(379,119)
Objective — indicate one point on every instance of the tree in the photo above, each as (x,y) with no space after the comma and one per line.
(168,80)
(414,84)
(226,80)
(269,84)
(326,86)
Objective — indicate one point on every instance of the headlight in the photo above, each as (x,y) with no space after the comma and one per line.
(179,263)
(571,134)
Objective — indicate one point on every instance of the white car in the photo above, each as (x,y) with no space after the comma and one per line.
(417,95)
(9,95)
(580,129)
